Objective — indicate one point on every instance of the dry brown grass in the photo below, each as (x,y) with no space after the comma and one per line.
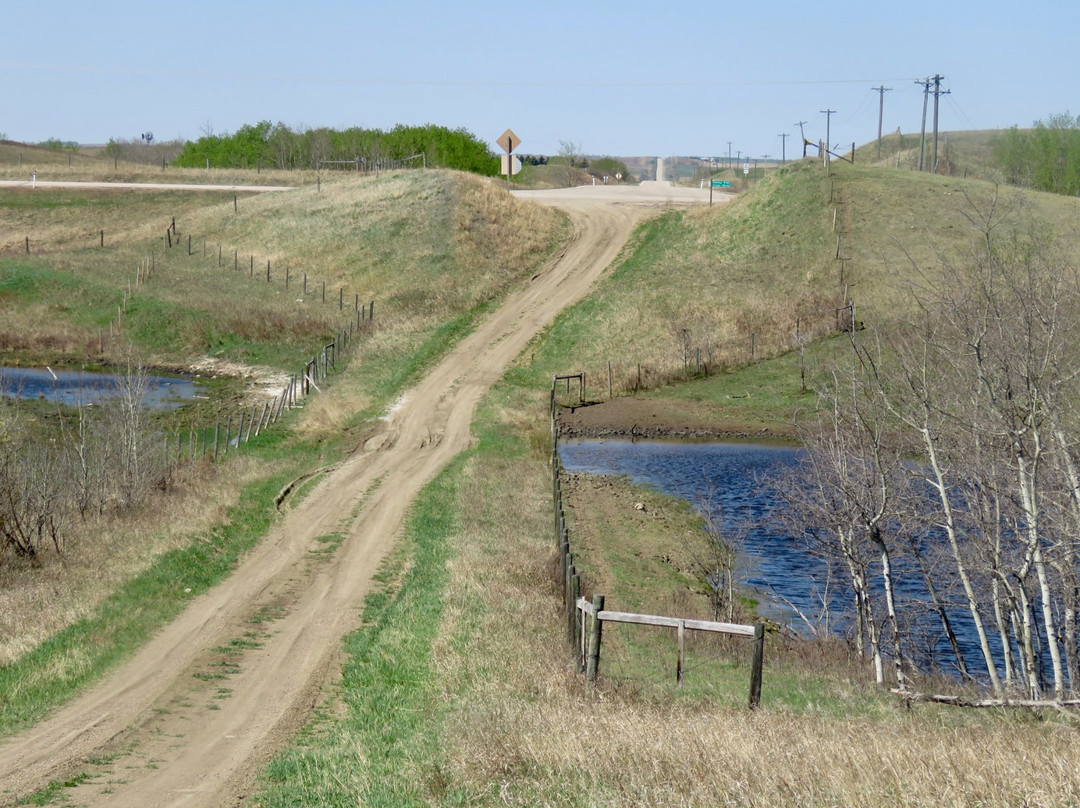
(37,601)
(520,731)
(399,236)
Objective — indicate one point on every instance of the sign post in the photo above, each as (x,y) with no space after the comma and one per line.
(508,141)
(717,184)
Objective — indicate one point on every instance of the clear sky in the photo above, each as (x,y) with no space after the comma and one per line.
(683,77)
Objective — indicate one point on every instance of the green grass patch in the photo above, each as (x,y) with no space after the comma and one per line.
(384,748)
(54,792)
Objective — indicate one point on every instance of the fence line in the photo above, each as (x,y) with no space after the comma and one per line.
(584,619)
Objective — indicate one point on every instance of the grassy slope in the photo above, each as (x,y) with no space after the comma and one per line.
(474,704)
(430,248)
(493,716)
(710,278)
(439,232)
(960,154)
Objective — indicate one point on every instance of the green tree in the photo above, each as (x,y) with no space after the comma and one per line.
(1045,157)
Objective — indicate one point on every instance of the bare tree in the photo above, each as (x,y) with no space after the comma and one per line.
(569,154)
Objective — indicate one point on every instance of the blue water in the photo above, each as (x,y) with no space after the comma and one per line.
(733,479)
(76,388)
(739,480)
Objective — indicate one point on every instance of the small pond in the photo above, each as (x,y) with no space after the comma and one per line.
(77,388)
(736,479)
(729,476)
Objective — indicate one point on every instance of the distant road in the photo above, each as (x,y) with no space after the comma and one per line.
(143,186)
(650,192)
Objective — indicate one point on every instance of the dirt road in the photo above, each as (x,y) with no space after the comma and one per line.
(171,733)
(141,186)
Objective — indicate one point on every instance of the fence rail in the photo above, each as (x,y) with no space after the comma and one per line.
(585,619)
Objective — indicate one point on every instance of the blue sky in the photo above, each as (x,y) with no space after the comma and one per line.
(621,78)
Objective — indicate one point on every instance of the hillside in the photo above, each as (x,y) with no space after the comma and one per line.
(428,249)
(965,153)
(455,685)
(708,289)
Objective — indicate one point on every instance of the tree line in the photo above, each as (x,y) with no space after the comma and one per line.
(1045,157)
(950,457)
(279,146)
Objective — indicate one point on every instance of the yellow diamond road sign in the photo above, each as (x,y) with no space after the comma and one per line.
(508,141)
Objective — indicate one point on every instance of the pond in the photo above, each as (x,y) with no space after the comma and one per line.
(731,478)
(77,388)
(737,480)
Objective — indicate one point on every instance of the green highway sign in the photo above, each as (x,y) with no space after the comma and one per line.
(721,184)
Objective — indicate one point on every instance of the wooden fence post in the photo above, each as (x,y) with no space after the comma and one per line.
(682,652)
(262,418)
(571,603)
(592,665)
(756,665)
(575,621)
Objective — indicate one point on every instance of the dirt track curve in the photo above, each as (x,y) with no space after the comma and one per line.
(182,740)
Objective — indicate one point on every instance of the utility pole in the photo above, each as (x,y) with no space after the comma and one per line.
(938,92)
(783,148)
(828,113)
(880,114)
(922,135)
(802,136)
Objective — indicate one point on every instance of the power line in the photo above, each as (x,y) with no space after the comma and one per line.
(802,135)
(218,75)
(881,111)
(828,113)
(938,92)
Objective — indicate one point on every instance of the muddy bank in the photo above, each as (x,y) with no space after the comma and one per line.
(641,417)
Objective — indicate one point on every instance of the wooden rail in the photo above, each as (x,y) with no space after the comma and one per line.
(599,615)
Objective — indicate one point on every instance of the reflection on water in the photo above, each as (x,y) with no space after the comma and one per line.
(732,478)
(736,480)
(78,388)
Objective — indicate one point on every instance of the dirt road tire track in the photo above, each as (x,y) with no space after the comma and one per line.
(190,747)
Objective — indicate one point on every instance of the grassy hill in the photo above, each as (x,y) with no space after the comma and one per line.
(967,153)
(456,689)
(487,711)
(708,288)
